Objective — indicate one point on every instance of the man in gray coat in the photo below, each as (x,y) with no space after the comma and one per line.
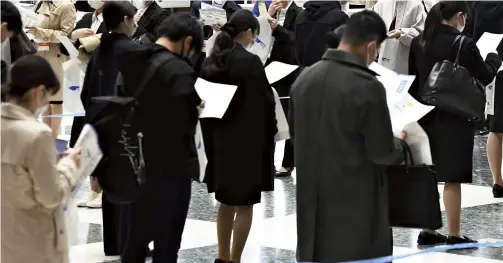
(342,130)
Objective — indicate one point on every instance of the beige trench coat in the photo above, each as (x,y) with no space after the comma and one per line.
(34,187)
(59,20)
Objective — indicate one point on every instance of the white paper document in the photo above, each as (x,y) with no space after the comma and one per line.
(91,152)
(72,51)
(29,18)
(397,85)
(276,71)
(488,43)
(281,121)
(214,16)
(490,93)
(201,154)
(406,111)
(217,97)
(173,3)
(419,143)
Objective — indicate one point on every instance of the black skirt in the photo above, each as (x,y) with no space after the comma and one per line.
(451,141)
(496,120)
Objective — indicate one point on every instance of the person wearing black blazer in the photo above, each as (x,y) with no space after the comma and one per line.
(283,50)
(451,136)
(249,123)
(488,17)
(148,17)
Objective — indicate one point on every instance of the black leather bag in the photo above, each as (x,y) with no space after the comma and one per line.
(414,201)
(21,45)
(452,88)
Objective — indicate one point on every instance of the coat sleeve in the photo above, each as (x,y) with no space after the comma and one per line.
(380,145)
(52,182)
(265,92)
(67,23)
(414,89)
(284,34)
(417,27)
(484,71)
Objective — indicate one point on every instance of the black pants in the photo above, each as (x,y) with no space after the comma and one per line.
(288,158)
(159,215)
(115,226)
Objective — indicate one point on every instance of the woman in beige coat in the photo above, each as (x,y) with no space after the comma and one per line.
(34,185)
(59,20)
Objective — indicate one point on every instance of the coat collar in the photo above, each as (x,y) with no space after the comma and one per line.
(445,29)
(347,58)
(16,112)
(49,7)
(289,12)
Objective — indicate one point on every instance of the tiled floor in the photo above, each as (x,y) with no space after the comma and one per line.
(273,234)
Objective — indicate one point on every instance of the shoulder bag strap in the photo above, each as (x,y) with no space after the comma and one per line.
(461,40)
(156,62)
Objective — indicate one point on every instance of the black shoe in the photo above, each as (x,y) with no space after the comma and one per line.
(429,239)
(284,174)
(220,261)
(456,240)
(497,191)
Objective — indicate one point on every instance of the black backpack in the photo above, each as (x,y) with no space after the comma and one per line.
(115,119)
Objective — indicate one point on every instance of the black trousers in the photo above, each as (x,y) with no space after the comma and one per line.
(159,215)
(115,226)
(288,157)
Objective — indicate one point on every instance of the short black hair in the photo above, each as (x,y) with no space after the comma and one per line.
(29,72)
(11,16)
(364,27)
(333,38)
(115,11)
(182,25)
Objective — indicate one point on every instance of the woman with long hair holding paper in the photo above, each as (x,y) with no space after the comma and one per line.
(34,184)
(240,146)
(451,135)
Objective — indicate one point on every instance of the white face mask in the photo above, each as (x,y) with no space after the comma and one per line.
(95,4)
(38,112)
(139,4)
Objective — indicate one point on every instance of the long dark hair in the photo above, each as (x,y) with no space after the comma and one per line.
(240,21)
(443,10)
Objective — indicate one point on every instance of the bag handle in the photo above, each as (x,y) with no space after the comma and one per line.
(407,154)
(461,39)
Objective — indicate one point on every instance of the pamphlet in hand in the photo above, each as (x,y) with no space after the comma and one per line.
(217,97)
(406,111)
(488,43)
(213,16)
(396,85)
(91,153)
(276,71)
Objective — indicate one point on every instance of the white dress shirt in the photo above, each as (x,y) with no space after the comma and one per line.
(97,20)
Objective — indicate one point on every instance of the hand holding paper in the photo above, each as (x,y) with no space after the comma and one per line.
(217,98)
(488,43)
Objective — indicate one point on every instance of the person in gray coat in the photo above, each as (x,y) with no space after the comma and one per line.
(342,130)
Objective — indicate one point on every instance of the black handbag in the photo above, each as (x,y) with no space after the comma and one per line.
(452,88)
(414,201)
(21,45)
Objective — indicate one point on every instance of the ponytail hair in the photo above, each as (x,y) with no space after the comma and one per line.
(240,21)
(444,10)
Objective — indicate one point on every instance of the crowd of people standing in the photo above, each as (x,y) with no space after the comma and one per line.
(341,132)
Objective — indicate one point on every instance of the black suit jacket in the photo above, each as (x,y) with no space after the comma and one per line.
(150,21)
(283,49)
(85,22)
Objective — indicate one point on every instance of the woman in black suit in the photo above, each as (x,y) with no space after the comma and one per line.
(451,136)
(240,146)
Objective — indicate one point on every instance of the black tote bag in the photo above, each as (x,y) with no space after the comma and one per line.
(414,201)
(452,88)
